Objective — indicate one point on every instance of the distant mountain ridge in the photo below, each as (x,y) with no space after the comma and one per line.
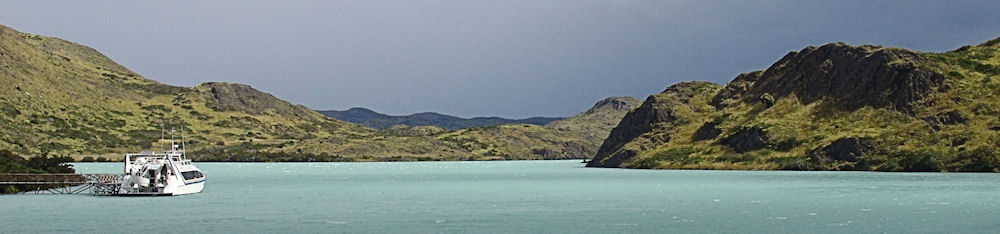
(377,120)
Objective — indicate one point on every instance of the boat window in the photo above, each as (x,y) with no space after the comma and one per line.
(190,175)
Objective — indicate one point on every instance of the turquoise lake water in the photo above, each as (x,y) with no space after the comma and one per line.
(523,197)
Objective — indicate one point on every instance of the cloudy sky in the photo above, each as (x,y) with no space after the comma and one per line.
(482,58)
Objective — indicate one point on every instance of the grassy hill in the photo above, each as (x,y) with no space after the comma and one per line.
(833,107)
(62,98)
(572,138)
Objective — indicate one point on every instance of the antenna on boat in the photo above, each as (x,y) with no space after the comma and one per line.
(183,146)
(162,129)
(173,146)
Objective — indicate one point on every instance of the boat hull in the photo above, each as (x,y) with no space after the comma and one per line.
(189,188)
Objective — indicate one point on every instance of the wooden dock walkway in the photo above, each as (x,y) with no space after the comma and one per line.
(96,184)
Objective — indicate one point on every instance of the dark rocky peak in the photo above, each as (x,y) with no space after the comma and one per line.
(850,76)
(615,103)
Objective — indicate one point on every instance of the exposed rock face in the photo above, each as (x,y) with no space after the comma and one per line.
(844,149)
(615,103)
(707,131)
(747,140)
(655,112)
(735,89)
(635,123)
(848,77)
(947,118)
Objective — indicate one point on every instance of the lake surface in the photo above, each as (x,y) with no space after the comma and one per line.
(524,197)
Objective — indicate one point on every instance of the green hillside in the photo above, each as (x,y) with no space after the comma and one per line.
(833,107)
(61,98)
(572,138)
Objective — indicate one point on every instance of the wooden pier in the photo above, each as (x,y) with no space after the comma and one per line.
(95,184)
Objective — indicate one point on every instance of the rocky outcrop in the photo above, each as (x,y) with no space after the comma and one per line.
(655,113)
(844,149)
(747,139)
(946,118)
(223,96)
(735,89)
(707,131)
(848,77)
(614,103)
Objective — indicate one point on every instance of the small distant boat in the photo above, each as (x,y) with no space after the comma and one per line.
(168,173)
(586,160)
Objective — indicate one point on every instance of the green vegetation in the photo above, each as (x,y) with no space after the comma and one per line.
(929,112)
(572,138)
(10,163)
(67,99)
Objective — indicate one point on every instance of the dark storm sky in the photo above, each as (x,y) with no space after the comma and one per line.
(482,58)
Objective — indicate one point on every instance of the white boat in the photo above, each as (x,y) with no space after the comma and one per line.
(168,173)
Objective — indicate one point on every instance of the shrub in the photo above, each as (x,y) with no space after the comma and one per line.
(980,159)
(922,160)
(767,99)
(681,155)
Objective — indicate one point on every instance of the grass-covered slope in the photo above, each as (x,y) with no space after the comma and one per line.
(595,123)
(62,98)
(575,137)
(834,107)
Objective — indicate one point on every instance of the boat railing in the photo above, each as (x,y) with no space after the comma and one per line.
(65,183)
